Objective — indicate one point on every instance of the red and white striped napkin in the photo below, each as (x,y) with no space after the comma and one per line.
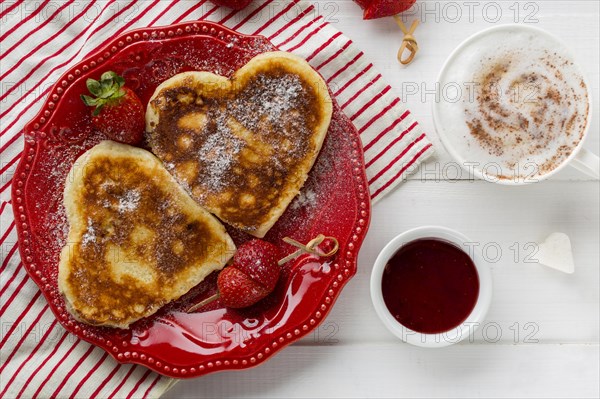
(38,41)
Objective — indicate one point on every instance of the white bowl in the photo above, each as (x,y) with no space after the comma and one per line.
(476,316)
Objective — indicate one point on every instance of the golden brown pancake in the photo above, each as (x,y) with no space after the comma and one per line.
(136,239)
(242,146)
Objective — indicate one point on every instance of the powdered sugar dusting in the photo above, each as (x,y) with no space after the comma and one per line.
(271,99)
(218,152)
(90,234)
(306,199)
(319,198)
(129,201)
(279,96)
(46,185)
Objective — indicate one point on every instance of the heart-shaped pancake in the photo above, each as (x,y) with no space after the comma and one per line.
(136,239)
(242,146)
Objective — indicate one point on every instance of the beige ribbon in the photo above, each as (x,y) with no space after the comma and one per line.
(309,247)
(408,42)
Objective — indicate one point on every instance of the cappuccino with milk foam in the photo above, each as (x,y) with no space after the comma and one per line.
(522,107)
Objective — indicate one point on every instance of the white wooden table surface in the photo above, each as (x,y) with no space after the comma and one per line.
(541,337)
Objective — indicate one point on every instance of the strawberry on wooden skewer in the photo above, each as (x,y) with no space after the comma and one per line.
(385,8)
(118,112)
(252,275)
(255,270)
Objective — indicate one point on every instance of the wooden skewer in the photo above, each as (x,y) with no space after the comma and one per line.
(309,248)
(204,302)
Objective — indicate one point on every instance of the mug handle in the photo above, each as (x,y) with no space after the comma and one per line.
(588,163)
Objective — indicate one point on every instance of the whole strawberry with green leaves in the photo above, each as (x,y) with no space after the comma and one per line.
(118,111)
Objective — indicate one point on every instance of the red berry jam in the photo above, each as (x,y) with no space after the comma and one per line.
(430,285)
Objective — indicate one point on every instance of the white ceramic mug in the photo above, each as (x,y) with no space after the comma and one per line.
(580,158)
(455,335)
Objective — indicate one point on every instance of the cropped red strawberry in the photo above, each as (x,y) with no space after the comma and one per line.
(118,111)
(383,8)
(235,4)
(363,3)
(252,275)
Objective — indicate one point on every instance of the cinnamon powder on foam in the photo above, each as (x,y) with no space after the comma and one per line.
(526,107)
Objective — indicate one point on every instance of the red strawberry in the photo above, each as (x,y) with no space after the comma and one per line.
(237,290)
(118,111)
(258,259)
(235,4)
(252,275)
(363,3)
(383,8)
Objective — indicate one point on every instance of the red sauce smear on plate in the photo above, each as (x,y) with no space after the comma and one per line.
(430,285)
